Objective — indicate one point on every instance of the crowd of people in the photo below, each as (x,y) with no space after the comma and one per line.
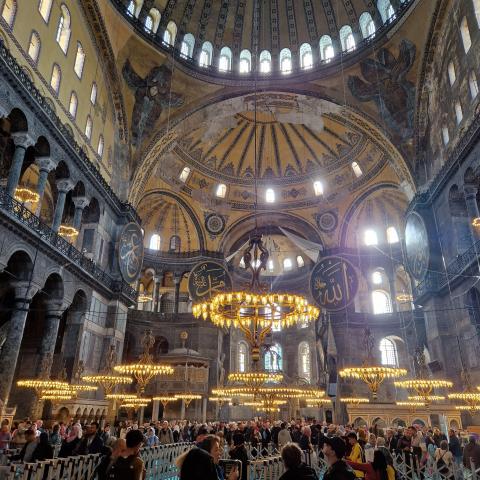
(348,452)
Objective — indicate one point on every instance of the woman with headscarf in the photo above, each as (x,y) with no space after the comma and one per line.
(71,442)
(152,439)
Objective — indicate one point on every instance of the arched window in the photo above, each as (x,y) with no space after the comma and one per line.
(388,352)
(221,190)
(367,25)
(381,302)
(63,29)
(242,356)
(188,44)
(100,146)
(304,363)
(285,61)
(225,60)
(318,188)
(451,73)
(88,127)
(271,266)
(300,261)
(206,55)
(79,60)
(306,56)
(265,62)
(270,195)
(155,16)
(8,12)
(377,277)
(148,25)
(458,112)
(356,169)
(273,358)
(326,48)
(34,46)
(72,108)
(155,242)
(472,83)
(445,135)
(465,32)
(245,64)
(386,10)
(170,33)
(93,94)
(45,7)
(370,237)
(476,8)
(347,39)
(56,78)
(174,243)
(392,235)
(184,174)
(287,264)
(131,8)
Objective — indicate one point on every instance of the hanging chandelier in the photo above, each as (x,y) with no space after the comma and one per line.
(187,397)
(145,369)
(354,400)
(67,231)
(470,395)
(26,195)
(370,373)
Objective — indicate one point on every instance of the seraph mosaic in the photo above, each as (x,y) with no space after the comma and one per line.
(152,94)
(384,82)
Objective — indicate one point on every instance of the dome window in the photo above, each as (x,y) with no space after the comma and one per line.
(465,33)
(100,146)
(270,195)
(326,48)
(221,190)
(184,174)
(318,188)
(93,94)
(188,44)
(170,33)
(347,39)
(270,266)
(381,302)
(225,60)
(367,25)
(88,127)
(445,135)
(287,264)
(245,64)
(8,12)
(155,242)
(356,169)
(34,47)
(286,61)
(458,112)
(206,55)
(300,261)
(45,7)
(472,83)
(370,237)
(148,24)
(63,29)
(56,78)
(265,62)
(306,57)
(451,73)
(377,277)
(79,60)
(392,235)
(72,108)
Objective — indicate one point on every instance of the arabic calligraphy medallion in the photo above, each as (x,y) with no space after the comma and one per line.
(130,252)
(207,279)
(417,246)
(333,283)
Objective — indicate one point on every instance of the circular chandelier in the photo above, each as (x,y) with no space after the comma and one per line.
(254,378)
(410,404)
(187,397)
(26,195)
(371,374)
(317,402)
(107,381)
(145,369)
(120,396)
(354,400)
(39,384)
(426,398)
(470,396)
(56,395)
(67,231)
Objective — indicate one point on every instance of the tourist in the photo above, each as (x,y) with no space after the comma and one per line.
(5,437)
(152,439)
(201,463)
(284,436)
(377,469)
(471,453)
(334,450)
(71,443)
(43,451)
(381,447)
(239,452)
(165,435)
(444,460)
(356,453)
(26,453)
(295,468)
(55,438)
(455,447)
(438,436)
(128,465)
(266,434)
(370,447)
(305,442)
(91,443)
(18,436)
(105,435)
(275,431)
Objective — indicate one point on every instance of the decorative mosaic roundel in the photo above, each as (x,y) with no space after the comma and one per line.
(215,224)
(327,222)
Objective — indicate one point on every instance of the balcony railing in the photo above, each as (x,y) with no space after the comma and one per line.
(434,282)
(12,208)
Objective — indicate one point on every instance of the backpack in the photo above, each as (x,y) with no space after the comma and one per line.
(442,466)
(122,469)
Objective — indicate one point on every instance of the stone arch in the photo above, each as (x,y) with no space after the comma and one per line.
(359,422)
(91,213)
(454,425)
(379,422)
(161,346)
(63,414)
(18,121)
(78,413)
(418,421)
(399,422)
(42,147)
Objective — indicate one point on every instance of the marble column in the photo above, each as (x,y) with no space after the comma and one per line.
(156,287)
(63,186)
(204,410)
(22,141)
(80,204)
(45,166)
(470,193)
(182,410)
(177,279)
(155,410)
(23,293)
(141,414)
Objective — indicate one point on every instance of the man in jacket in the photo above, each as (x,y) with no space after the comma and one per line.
(91,442)
(284,435)
(165,435)
(334,450)
(295,468)
(471,453)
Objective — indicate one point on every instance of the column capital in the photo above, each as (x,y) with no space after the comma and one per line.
(54,307)
(157,279)
(22,139)
(80,202)
(177,278)
(45,163)
(24,290)
(470,189)
(65,185)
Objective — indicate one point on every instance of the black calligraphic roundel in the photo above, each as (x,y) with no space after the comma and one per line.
(130,252)
(207,279)
(333,283)
(416,246)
